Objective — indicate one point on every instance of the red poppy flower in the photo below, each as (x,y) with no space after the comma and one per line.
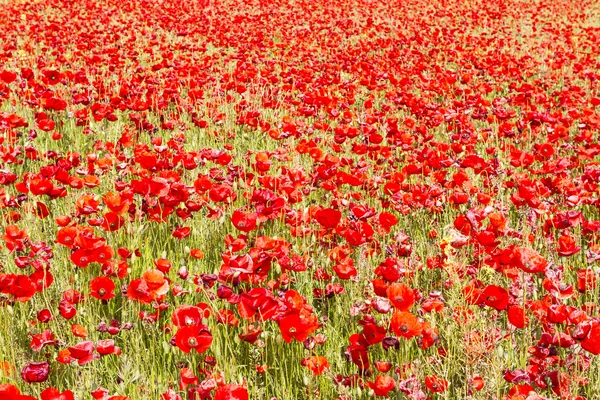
(432,305)
(436,384)
(14,238)
(22,288)
(79,331)
(586,280)
(186,315)
(401,296)
(345,270)
(383,366)
(382,385)
(170,395)
(387,220)
(156,281)
(45,124)
(495,297)
(102,288)
(112,222)
(373,333)
(428,337)
(358,354)
(558,289)
(405,324)
(55,394)
(380,287)
(195,337)
(35,372)
(116,203)
(477,382)
(83,352)
(529,260)
(328,217)
(51,77)
(296,326)
(107,346)
(83,257)
(589,334)
(103,254)
(10,392)
(244,222)
(567,246)
(138,290)
(66,236)
(182,232)
(227,317)
(163,265)
(67,309)
(520,392)
(197,253)
(231,391)
(250,334)
(41,210)
(44,315)
(517,317)
(41,340)
(187,377)
(39,186)
(8,76)
(257,300)
(64,357)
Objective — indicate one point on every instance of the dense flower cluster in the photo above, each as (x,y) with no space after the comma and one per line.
(301,199)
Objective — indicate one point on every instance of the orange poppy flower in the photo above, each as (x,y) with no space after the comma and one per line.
(405,324)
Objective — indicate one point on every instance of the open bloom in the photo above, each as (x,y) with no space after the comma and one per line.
(196,337)
(405,324)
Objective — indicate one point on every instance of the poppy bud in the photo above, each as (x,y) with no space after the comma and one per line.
(390,342)
(183,273)
(210,361)
(102,327)
(309,343)
(209,279)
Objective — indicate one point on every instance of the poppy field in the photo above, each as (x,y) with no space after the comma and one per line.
(300,199)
